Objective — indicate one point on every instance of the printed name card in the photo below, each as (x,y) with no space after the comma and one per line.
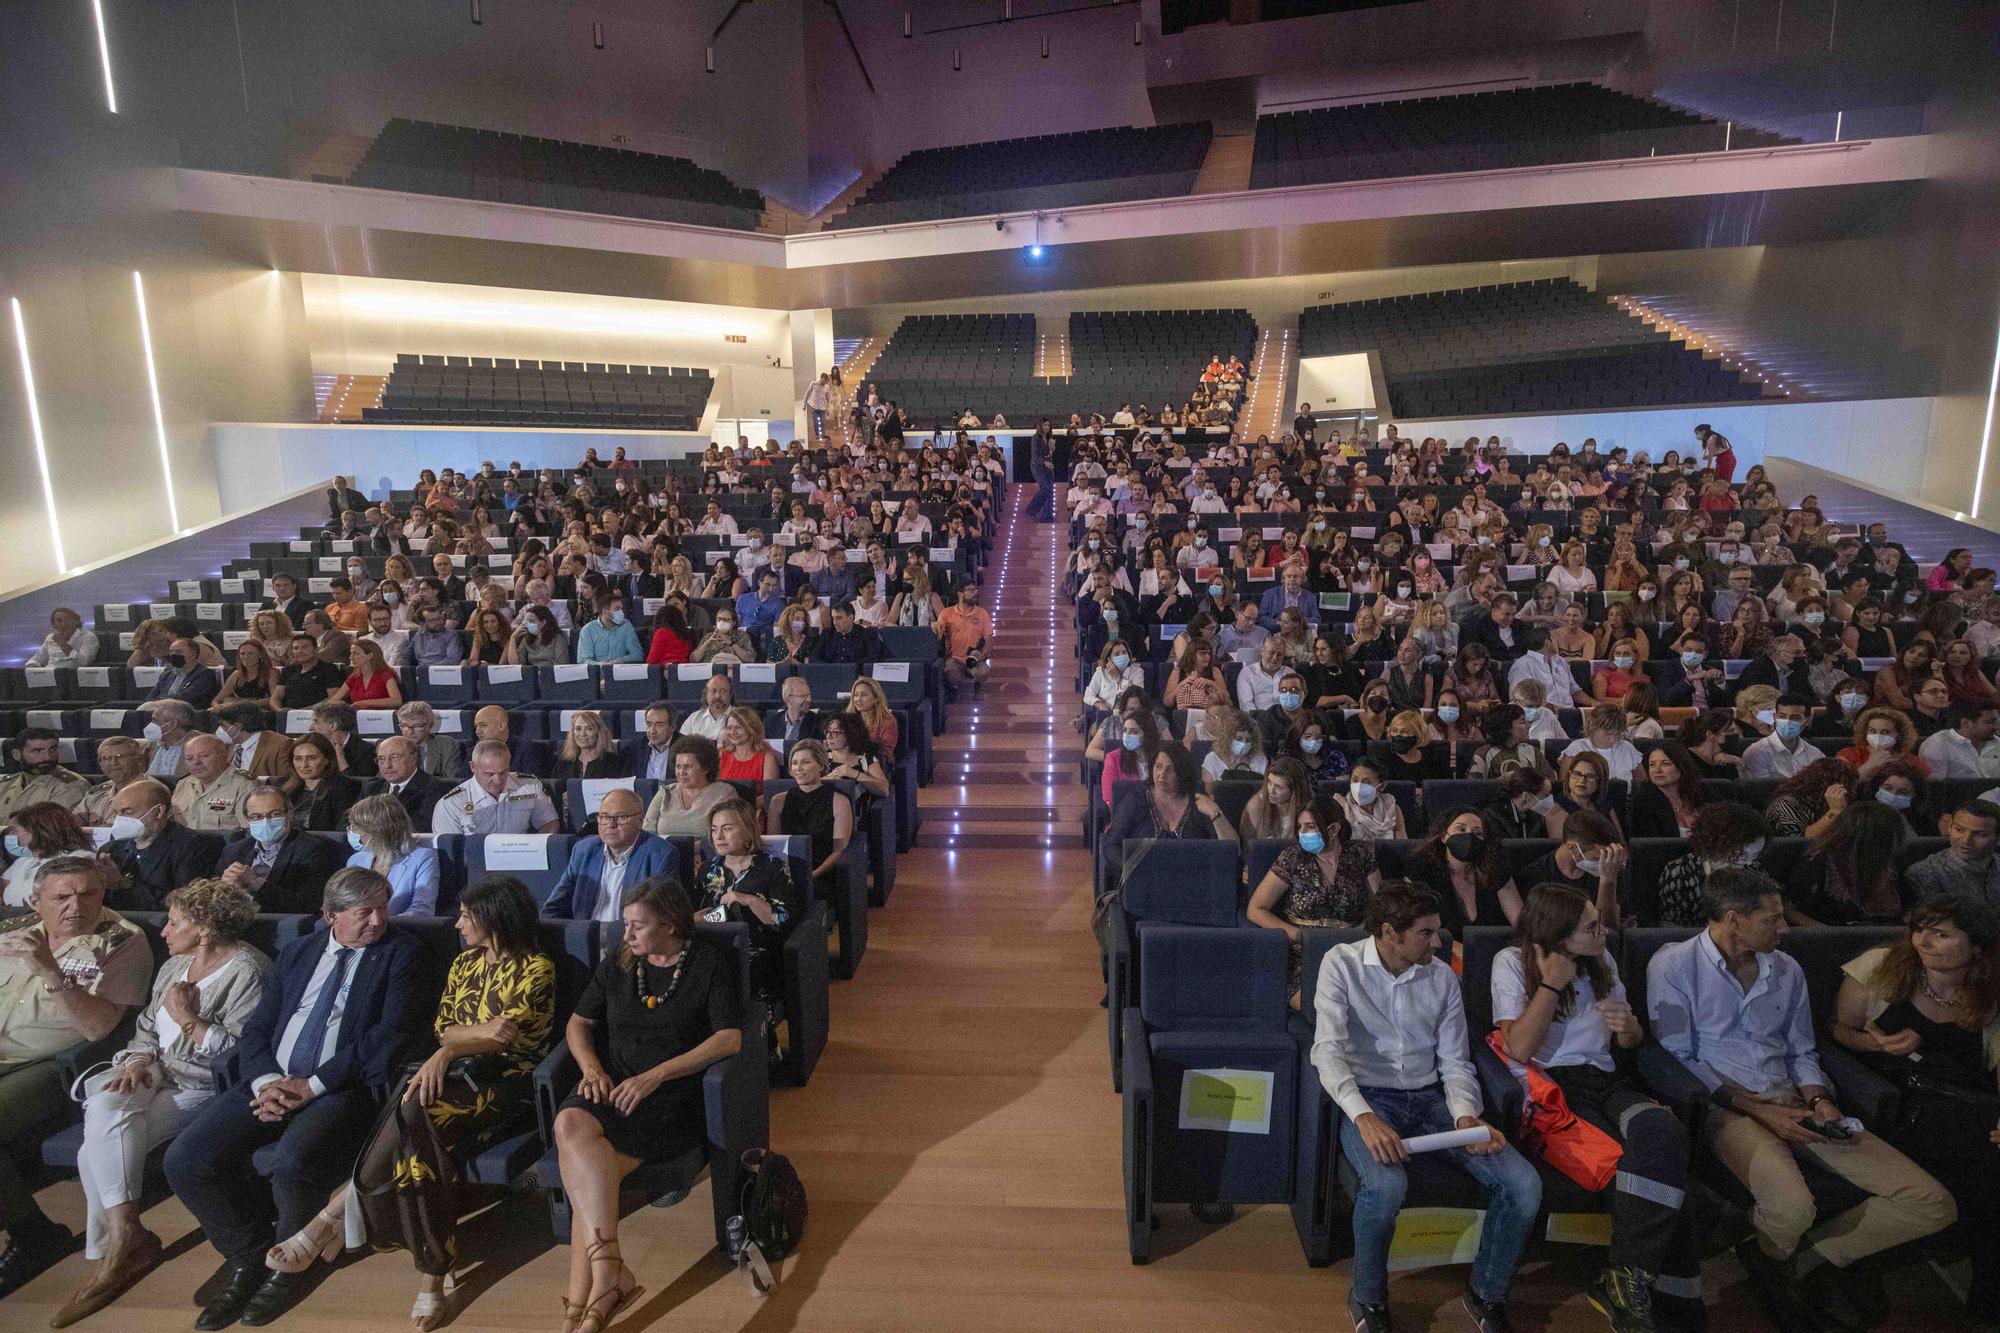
(504,675)
(569,673)
(629,670)
(650,606)
(375,721)
(891,671)
(758,673)
(1363,534)
(96,678)
(693,671)
(446,675)
(45,717)
(298,721)
(344,545)
(855,557)
(458,562)
(562,719)
(148,676)
(321,586)
(944,553)
(232,639)
(331,564)
(1274,534)
(107,719)
(517,851)
(231,587)
(1228,535)
(163,611)
(301,548)
(118,613)
(125,643)
(208,611)
(451,720)
(595,788)
(188,590)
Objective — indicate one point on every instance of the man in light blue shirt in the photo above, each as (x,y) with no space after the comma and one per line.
(757,611)
(1735,1011)
(609,638)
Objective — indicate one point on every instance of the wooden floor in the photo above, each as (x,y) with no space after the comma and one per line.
(960,1140)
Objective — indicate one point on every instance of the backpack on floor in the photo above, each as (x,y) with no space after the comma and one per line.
(773,1204)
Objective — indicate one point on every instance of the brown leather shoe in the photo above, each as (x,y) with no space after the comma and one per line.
(110,1282)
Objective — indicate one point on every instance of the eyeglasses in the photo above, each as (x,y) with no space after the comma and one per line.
(603,818)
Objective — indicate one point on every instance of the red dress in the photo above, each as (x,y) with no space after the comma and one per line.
(361,691)
(668,649)
(744,770)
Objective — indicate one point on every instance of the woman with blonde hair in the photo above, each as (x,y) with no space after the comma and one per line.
(1237,746)
(379,831)
(274,630)
(918,603)
(254,679)
(1756,708)
(589,751)
(745,756)
(866,698)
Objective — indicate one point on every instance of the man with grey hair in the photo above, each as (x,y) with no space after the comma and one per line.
(122,760)
(69,972)
(494,799)
(402,777)
(538,595)
(172,724)
(439,755)
(339,1014)
(210,799)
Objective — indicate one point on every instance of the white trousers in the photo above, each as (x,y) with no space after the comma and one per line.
(119,1130)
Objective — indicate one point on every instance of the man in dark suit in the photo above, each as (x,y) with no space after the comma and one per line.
(404,778)
(339,1011)
(186,678)
(651,755)
(151,854)
(796,721)
(1774,668)
(1690,679)
(1494,628)
(284,868)
(342,498)
(336,722)
(285,599)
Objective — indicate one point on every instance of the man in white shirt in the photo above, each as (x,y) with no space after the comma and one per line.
(1543,665)
(1391,1050)
(1983,634)
(68,643)
(715,523)
(395,645)
(1257,682)
(1967,748)
(1785,752)
(539,595)
(912,527)
(716,698)
(1123,418)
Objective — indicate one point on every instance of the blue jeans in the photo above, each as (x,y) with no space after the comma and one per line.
(819,423)
(1513,1196)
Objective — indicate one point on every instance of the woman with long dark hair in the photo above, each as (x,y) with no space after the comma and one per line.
(1848,875)
(1925,1013)
(1461,862)
(1560,1007)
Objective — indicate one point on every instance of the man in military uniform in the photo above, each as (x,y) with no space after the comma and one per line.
(494,800)
(122,760)
(210,799)
(68,974)
(42,777)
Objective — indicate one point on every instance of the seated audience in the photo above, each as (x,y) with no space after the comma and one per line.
(276,862)
(150,854)
(494,799)
(1968,865)
(1724,834)
(384,841)
(1325,877)
(620,854)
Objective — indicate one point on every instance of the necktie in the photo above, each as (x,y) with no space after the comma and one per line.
(312,1038)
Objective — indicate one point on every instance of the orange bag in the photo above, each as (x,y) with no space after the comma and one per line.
(1554,1133)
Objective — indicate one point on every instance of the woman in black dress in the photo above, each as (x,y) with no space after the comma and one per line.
(1461,862)
(659,1011)
(1924,1013)
(816,811)
(743,882)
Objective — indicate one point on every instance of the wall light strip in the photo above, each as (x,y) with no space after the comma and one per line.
(153,384)
(1986,431)
(104,55)
(35,427)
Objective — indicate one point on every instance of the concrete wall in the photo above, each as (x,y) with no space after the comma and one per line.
(254,462)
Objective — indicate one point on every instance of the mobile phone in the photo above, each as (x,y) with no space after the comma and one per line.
(1829,1129)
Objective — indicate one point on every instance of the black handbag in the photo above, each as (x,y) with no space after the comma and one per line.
(773,1204)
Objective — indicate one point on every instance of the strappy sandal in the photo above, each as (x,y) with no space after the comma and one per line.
(594,1320)
(310,1245)
(432,1309)
(572,1315)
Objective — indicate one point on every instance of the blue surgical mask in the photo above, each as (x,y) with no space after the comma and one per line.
(267,830)
(1691,660)
(1312,842)
(1788,728)
(1895,800)
(1121,660)
(1311,745)
(354,841)
(14,847)
(617,617)
(1132,740)
(1364,792)
(1239,747)
(1215,590)
(1623,662)
(1447,712)
(1531,714)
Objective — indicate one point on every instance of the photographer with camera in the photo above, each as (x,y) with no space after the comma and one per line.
(966,631)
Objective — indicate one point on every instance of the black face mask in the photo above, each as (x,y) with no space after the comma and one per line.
(1378,705)
(179,660)
(1466,846)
